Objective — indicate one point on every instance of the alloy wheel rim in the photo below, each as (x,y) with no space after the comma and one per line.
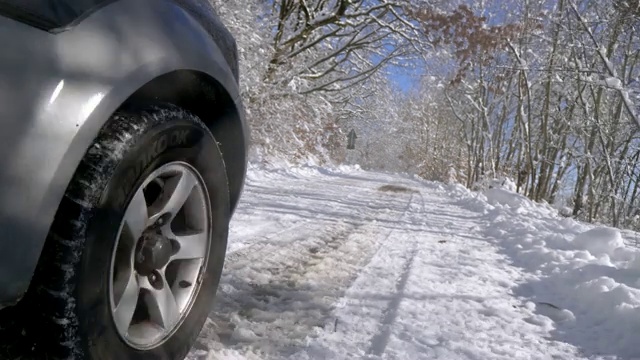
(160,254)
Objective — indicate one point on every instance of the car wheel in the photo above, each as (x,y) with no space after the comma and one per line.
(135,254)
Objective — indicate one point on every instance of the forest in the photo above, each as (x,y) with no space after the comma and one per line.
(542,94)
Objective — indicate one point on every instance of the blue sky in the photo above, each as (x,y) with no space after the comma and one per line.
(405,78)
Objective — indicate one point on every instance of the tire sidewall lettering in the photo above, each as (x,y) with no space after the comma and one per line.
(175,138)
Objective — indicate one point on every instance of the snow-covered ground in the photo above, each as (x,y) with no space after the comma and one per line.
(332,265)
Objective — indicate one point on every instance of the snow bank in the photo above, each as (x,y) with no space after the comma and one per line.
(497,196)
(599,241)
(258,171)
(582,280)
(491,183)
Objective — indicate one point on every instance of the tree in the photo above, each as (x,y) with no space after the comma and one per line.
(308,64)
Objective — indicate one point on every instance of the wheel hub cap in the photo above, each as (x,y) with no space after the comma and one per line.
(153,253)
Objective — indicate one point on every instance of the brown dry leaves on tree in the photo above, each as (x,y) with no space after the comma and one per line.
(470,35)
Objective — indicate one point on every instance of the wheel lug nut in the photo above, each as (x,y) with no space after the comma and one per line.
(155,279)
(162,220)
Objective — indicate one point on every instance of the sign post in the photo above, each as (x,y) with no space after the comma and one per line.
(351,145)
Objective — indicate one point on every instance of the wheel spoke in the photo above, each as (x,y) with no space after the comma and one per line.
(137,215)
(162,305)
(176,192)
(123,313)
(192,246)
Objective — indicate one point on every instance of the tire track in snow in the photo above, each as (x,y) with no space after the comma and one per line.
(265,199)
(259,245)
(273,296)
(283,299)
(380,340)
(381,244)
(443,292)
(368,317)
(377,301)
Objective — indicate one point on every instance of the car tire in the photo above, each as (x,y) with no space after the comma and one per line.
(76,312)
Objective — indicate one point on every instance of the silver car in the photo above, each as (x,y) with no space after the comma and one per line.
(124,150)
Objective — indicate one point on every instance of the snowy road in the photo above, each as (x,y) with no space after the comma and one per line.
(330,266)
(347,264)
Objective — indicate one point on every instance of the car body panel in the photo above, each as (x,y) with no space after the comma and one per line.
(49,15)
(76,79)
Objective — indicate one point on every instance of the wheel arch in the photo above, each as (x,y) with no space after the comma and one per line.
(203,96)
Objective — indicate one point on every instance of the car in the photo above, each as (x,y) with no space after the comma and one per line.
(124,146)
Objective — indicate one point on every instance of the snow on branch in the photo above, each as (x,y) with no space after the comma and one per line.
(613,80)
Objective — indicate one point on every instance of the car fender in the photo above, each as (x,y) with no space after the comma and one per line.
(95,67)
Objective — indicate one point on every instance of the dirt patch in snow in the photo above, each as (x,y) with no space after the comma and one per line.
(396,189)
